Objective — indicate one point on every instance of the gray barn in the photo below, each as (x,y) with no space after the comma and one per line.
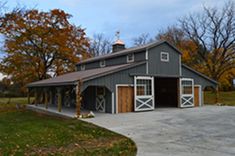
(135,79)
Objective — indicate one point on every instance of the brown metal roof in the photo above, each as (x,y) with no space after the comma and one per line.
(129,50)
(72,78)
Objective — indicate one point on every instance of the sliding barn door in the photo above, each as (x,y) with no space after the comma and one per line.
(144,93)
(187,92)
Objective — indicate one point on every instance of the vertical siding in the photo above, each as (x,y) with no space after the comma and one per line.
(156,66)
(198,80)
(89,99)
(140,56)
(110,81)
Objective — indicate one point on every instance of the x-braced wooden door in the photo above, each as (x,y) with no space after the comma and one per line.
(100,99)
(187,92)
(144,93)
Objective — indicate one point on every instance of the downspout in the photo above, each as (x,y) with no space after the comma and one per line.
(147,62)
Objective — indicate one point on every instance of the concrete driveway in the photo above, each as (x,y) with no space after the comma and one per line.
(204,131)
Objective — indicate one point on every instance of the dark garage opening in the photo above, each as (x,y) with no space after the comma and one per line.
(166,92)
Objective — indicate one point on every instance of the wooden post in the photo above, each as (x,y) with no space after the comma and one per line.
(35,97)
(46,97)
(78,98)
(217,94)
(59,99)
(51,97)
(28,96)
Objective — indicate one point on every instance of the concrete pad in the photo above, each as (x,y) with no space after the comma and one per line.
(207,131)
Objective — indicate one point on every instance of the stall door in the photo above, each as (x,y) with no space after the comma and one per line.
(125,99)
(144,93)
(187,92)
(100,99)
(197,95)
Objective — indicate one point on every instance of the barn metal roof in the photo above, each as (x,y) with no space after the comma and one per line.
(73,77)
(129,50)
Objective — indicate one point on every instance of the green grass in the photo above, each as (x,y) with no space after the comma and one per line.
(226,98)
(30,133)
(7,104)
(20,100)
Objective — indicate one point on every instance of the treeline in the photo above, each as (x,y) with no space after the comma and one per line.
(38,44)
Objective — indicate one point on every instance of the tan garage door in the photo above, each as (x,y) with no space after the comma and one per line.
(125,99)
(196,96)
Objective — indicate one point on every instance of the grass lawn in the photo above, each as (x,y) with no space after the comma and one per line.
(226,98)
(30,133)
(6,105)
(17,100)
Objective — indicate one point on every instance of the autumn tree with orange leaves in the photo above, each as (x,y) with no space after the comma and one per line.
(40,44)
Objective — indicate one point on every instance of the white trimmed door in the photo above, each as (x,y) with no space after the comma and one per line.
(187,92)
(144,93)
(100,99)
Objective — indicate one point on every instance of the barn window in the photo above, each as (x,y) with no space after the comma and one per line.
(100,91)
(143,87)
(164,56)
(187,87)
(130,58)
(102,63)
(83,67)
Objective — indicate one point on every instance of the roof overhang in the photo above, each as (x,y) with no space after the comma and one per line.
(74,77)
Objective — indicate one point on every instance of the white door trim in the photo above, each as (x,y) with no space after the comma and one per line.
(183,96)
(138,98)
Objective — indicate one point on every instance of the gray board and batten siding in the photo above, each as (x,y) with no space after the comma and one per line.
(89,99)
(109,81)
(117,60)
(158,67)
(155,65)
(199,79)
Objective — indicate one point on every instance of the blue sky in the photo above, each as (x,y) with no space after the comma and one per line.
(130,17)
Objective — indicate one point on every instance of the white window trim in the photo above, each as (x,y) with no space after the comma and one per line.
(83,67)
(100,87)
(127,58)
(187,79)
(102,65)
(186,95)
(145,96)
(164,53)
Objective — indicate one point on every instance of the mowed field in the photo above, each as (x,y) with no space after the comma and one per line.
(225,98)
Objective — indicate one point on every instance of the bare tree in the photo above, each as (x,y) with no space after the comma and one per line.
(172,34)
(100,45)
(177,37)
(144,38)
(213,32)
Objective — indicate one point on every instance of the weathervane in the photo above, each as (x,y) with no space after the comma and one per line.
(117,34)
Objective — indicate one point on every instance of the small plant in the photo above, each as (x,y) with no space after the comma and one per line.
(87,115)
